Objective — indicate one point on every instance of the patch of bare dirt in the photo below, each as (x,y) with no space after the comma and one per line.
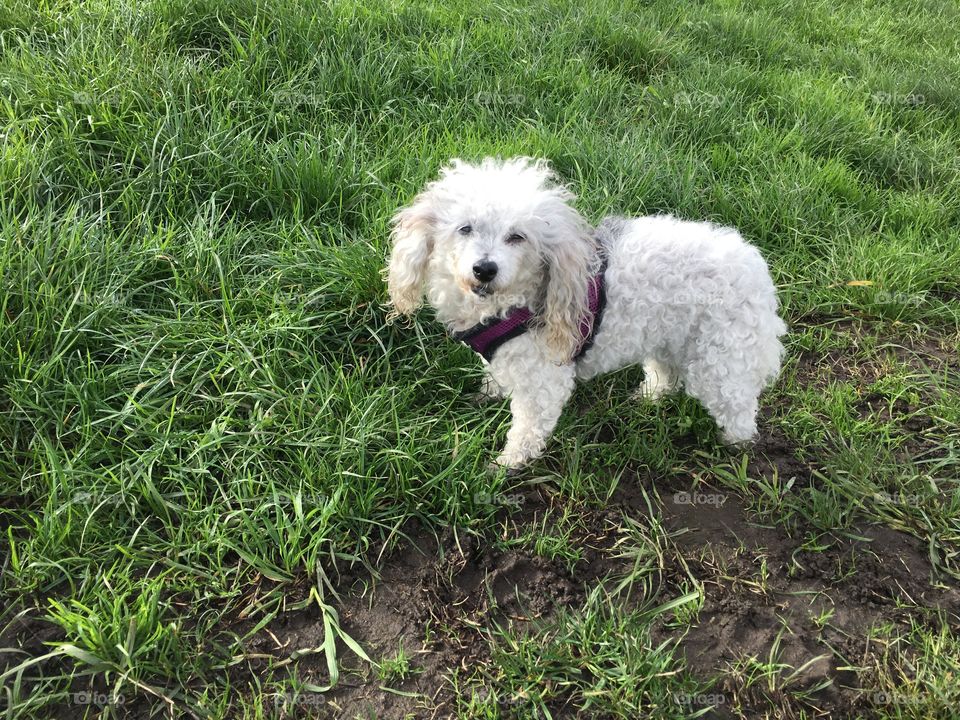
(766,590)
(763,590)
(925,355)
(433,599)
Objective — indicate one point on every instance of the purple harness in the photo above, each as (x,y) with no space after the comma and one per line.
(484,338)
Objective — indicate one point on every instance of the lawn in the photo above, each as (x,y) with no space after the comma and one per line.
(230,488)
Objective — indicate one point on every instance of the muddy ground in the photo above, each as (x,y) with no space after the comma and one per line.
(763,587)
(435,598)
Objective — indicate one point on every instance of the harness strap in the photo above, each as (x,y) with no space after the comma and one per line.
(484,338)
(597,302)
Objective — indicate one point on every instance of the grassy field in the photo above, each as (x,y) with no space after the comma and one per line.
(230,489)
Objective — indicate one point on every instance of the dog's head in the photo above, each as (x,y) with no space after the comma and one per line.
(490,236)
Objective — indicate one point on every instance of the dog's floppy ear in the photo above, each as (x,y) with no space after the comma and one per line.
(412,244)
(569,250)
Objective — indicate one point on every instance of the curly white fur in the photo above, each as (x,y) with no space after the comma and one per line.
(691,301)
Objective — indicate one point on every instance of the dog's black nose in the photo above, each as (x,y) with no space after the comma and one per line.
(485,270)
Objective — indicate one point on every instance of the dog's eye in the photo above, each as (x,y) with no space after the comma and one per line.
(465,230)
(514,238)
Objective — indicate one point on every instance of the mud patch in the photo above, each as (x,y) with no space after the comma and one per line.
(770,599)
(431,603)
(924,355)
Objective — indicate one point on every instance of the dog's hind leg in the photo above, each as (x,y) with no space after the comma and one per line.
(738,419)
(730,392)
(658,380)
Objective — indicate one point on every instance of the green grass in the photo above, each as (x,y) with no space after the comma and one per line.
(201,401)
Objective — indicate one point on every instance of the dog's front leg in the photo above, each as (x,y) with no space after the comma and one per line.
(489,388)
(537,398)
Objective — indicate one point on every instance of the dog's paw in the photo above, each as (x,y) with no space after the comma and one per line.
(739,441)
(513,463)
(494,468)
(657,382)
(652,391)
(490,391)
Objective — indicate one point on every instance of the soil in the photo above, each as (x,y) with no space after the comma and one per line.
(767,594)
(435,596)
(760,586)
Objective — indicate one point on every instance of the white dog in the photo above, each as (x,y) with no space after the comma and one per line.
(514,270)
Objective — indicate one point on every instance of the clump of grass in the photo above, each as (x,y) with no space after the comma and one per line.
(597,659)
